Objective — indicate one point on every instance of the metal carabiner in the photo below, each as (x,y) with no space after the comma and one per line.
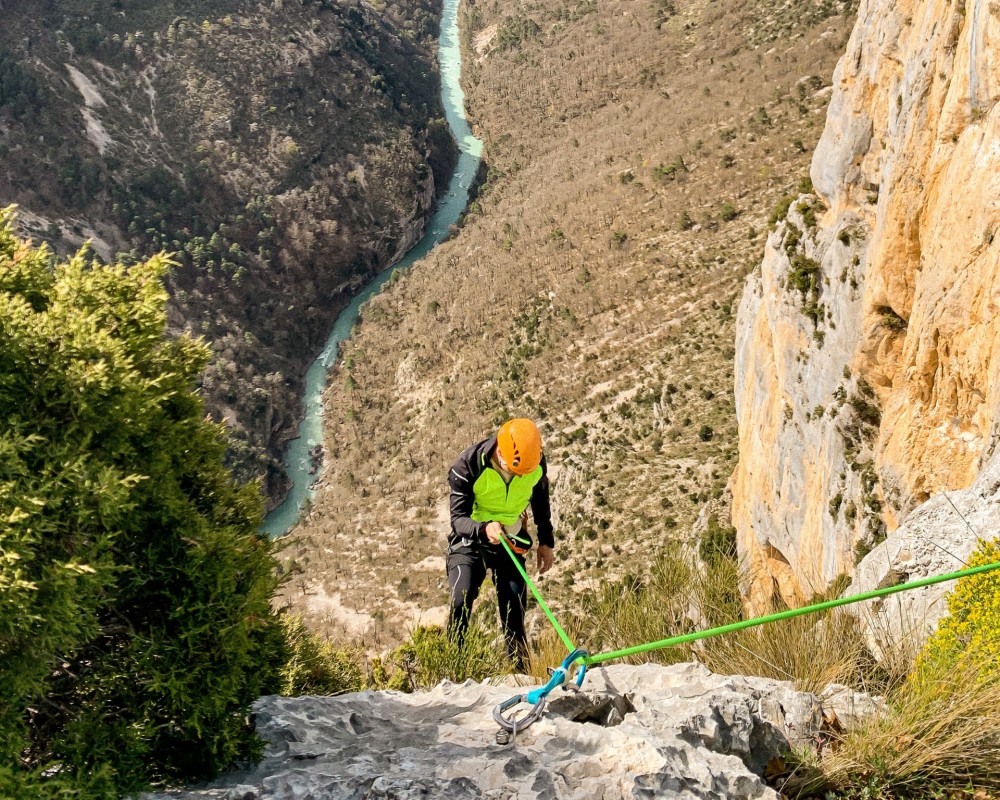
(537,697)
(514,724)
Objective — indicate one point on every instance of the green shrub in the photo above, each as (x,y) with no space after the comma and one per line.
(973,622)
(670,171)
(514,30)
(634,610)
(938,735)
(135,617)
(315,666)
(430,656)
(808,212)
(890,319)
(718,542)
(804,275)
(781,210)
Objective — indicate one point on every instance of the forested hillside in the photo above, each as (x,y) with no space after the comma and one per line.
(636,152)
(285,151)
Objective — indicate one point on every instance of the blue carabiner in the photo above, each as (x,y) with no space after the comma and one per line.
(537,697)
(559,675)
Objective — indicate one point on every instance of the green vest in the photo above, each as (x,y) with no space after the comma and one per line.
(504,502)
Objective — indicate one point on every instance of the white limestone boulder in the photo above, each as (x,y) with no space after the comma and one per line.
(632,732)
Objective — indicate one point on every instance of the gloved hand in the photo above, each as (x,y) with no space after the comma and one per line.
(546,555)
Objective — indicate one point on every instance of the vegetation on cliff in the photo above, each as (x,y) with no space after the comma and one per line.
(135,617)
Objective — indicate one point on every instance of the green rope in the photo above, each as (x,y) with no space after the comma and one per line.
(541,601)
(795,612)
(673,641)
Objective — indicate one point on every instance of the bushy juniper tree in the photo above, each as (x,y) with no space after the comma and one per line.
(135,616)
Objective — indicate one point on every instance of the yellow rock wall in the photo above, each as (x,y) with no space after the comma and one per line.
(908,175)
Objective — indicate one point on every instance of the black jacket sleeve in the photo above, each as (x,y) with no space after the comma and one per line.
(461,478)
(540,509)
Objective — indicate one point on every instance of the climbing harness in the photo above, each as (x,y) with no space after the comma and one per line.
(519,544)
(537,697)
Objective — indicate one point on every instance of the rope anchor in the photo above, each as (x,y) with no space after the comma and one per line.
(510,724)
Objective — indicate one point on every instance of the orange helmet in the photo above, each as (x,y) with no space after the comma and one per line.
(519,445)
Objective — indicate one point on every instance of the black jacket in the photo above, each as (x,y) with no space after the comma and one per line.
(466,533)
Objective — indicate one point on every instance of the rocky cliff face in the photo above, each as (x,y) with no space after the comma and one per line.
(867,363)
(633,732)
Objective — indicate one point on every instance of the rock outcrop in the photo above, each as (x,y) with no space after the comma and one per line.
(632,732)
(937,538)
(868,377)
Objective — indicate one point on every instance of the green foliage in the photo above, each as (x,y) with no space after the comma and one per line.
(780,210)
(972,627)
(670,171)
(514,30)
(805,276)
(634,609)
(808,212)
(19,90)
(134,588)
(315,666)
(865,406)
(890,319)
(938,735)
(430,656)
(718,542)
(835,502)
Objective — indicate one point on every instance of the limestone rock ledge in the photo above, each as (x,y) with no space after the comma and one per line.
(868,364)
(632,732)
(937,538)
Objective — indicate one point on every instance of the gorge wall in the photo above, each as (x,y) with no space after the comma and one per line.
(867,368)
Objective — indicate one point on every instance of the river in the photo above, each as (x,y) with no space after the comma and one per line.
(450,207)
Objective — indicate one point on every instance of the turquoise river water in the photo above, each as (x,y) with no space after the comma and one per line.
(450,207)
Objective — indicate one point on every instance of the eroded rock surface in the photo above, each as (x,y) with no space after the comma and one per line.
(937,538)
(633,732)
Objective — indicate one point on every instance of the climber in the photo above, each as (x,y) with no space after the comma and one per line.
(492,485)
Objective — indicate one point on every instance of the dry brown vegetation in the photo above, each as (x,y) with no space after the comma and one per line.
(635,152)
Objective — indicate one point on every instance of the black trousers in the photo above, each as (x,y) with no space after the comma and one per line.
(466,573)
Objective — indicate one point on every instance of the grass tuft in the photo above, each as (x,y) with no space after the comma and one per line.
(938,736)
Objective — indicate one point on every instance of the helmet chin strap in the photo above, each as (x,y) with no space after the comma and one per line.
(501,466)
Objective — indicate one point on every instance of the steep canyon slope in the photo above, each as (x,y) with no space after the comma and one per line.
(867,367)
(635,151)
(285,151)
